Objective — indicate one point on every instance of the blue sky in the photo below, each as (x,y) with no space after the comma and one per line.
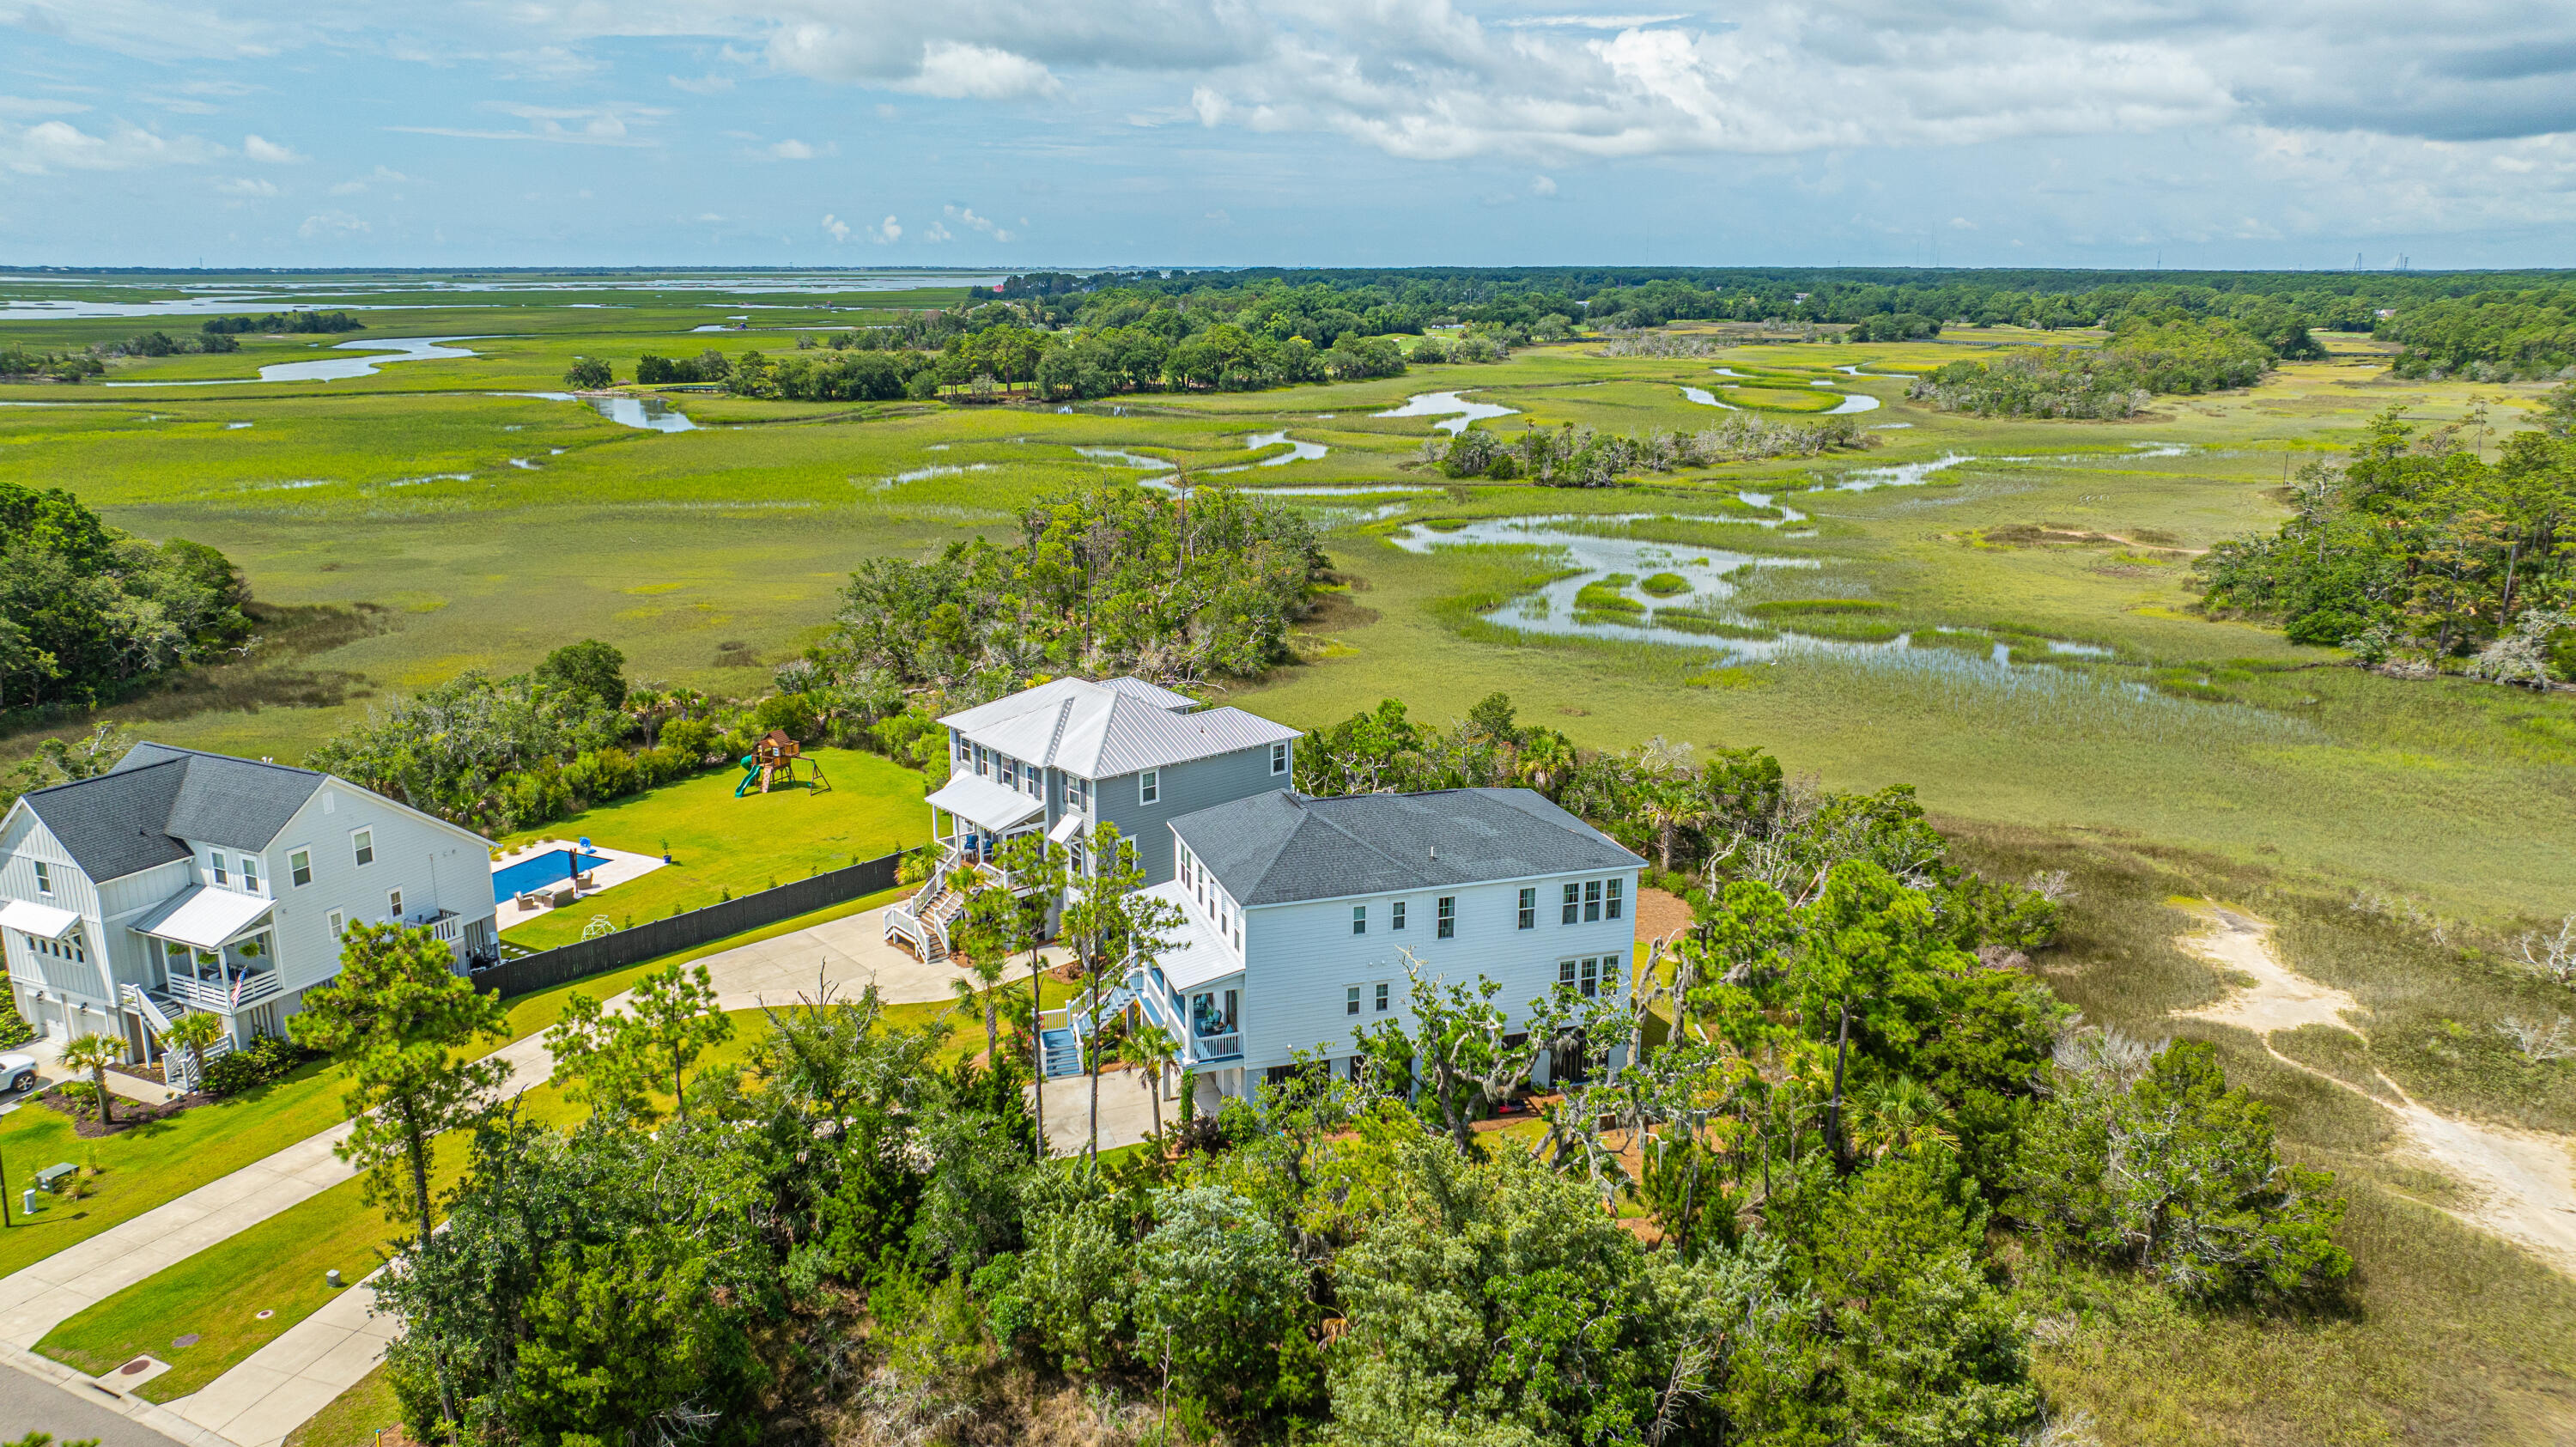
(1028,133)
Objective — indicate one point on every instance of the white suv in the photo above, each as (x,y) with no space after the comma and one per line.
(17,1072)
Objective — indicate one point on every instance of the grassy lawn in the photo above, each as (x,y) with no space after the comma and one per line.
(355,1418)
(723,847)
(139,1169)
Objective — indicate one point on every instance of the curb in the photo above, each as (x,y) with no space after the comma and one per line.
(134,1409)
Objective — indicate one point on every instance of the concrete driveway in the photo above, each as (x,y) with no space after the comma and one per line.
(847,954)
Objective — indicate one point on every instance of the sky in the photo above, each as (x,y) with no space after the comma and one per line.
(1023,134)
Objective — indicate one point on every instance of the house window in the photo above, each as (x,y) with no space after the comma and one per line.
(393,905)
(44,878)
(1395,915)
(1351,1000)
(1359,919)
(250,874)
(1529,909)
(1610,904)
(983,764)
(1278,758)
(1448,916)
(336,922)
(1573,904)
(1591,901)
(299,867)
(1591,977)
(220,876)
(1149,786)
(363,843)
(1075,795)
(1381,997)
(1010,771)
(1565,973)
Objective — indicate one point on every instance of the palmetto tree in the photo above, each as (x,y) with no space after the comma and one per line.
(193,1032)
(1906,1117)
(94,1053)
(983,936)
(1151,1049)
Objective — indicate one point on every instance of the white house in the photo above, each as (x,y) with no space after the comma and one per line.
(1067,755)
(1299,913)
(182,881)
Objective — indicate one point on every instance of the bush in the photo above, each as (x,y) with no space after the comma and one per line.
(602,774)
(691,738)
(256,1064)
(534,796)
(14,1029)
(790,713)
(588,375)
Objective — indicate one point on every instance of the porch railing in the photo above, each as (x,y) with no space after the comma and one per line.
(226,997)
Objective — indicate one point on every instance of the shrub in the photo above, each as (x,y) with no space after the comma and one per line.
(790,713)
(691,738)
(256,1064)
(602,774)
(587,375)
(534,796)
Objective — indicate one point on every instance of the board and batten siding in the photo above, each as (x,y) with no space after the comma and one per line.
(27,842)
(1185,789)
(1302,958)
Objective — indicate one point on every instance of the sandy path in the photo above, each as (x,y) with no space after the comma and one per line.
(2523,1182)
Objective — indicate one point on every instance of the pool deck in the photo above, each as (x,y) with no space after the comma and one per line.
(621,867)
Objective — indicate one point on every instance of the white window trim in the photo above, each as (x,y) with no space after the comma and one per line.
(394,905)
(250,873)
(337,923)
(292,882)
(1149,787)
(215,861)
(1278,758)
(369,835)
(44,877)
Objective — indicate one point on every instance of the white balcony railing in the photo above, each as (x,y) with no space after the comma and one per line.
(226,997)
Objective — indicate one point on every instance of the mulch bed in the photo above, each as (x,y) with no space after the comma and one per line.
(129,1113)
(150,1072)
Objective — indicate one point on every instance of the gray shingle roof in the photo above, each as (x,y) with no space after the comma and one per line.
(1280,847)
(137,814)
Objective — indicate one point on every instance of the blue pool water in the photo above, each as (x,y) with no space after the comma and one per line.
(537,871)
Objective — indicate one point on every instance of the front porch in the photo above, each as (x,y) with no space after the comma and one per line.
(972,821)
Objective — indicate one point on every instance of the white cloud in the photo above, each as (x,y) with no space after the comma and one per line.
(332,225)
(607,125)
(703,85)
(61,146)
(835,228)
(381,176)
(794,150)
(965,216)
(712,216)
(269,153)
(955,71)
(887,232)
(246,186)
(1542,185)
(937,232)
(19,105)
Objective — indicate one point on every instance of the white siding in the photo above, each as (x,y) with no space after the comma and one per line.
(435,865)
(1301,958)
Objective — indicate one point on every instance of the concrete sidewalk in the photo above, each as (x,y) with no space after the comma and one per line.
(279,1387)
(38,1298)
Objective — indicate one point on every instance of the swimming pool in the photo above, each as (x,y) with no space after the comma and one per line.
(538,871)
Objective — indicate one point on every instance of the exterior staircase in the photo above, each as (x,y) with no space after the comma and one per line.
(177,1067)
(1060,1053)
(924,918)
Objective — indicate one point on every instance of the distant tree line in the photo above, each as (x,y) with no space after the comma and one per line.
(2495,336)
(286,322)
(89,613)
(2420,555)
(2144,358)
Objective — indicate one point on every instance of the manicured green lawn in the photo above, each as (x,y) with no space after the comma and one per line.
(354,1418)
(723,847)
(143,1168)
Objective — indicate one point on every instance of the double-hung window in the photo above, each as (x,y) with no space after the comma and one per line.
(1395,915)
(1382,993)
(299,867)
(1447,915)
(393,905)
(1583,976)
(1279,758)
(1010,770)
(1573,904)
(1610,904)
(1359,919)
(250,873)
(1591,901)
(1529,910)
(362,846)
(44,879)
(1149,787)
(216,862)
(335,920)
(1351,1000)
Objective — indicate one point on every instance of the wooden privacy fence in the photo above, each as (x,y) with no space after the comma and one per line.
(565,963)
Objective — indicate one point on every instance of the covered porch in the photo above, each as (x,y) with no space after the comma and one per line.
(217,951)
(971,819)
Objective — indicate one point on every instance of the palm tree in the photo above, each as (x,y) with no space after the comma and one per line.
(94,1053)
(1545,761)
(193,1032)
(981,945)
(1151,1049)
(1906,1116)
